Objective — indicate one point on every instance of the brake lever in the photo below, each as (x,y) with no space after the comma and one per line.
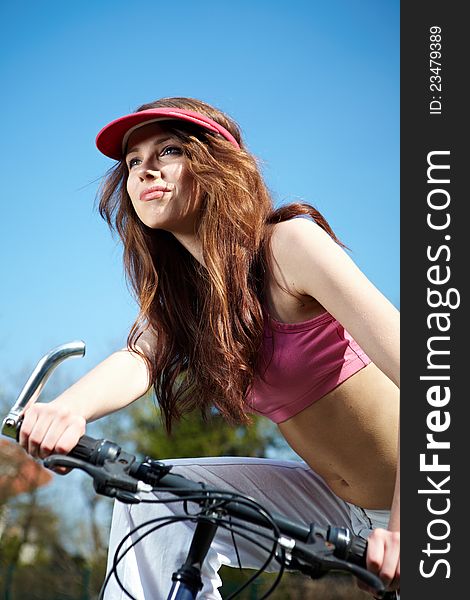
(316,559)
(110,479)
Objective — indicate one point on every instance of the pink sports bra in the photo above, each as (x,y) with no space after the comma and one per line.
(300,363)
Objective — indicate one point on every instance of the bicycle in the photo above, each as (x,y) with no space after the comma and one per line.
(307,548)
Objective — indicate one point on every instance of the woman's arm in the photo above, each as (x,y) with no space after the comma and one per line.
(56,426)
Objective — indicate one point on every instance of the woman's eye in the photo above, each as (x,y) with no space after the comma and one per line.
(167,151)
(133,162)
(171,150)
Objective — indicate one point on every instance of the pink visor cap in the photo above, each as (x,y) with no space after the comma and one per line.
(112,139)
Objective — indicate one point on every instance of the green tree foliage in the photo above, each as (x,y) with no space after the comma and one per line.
(34,563)
(192,436)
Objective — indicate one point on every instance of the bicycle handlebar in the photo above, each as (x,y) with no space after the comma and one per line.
(108,459)
(313,549)
(98,451)
(118,474)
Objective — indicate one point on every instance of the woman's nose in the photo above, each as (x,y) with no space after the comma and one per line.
(147,173)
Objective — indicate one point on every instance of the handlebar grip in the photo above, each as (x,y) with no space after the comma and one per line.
(358,551)
(95,451)
(88,449)
(348,546)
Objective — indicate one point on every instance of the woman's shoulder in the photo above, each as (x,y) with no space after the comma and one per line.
(297,229)
(291,240)
(288,242)
(308,260)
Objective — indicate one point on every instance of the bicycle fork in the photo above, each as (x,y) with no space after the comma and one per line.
(187,582)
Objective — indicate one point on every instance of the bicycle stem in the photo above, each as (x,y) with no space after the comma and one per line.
(38,378)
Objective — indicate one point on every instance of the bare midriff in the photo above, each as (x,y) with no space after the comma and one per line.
(350,438)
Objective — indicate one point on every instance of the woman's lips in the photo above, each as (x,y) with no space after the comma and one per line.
(154,192)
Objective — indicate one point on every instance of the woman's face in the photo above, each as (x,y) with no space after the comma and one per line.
(158,182)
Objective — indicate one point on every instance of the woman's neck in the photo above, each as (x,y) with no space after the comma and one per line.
(192,244)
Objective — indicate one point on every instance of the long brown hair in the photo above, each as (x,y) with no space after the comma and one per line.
(206,322)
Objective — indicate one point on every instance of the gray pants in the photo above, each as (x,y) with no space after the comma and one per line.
(287,487)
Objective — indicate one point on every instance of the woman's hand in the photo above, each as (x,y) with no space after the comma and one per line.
(50,428)
(383,558)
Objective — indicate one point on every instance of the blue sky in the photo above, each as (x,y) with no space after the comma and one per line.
(313,85)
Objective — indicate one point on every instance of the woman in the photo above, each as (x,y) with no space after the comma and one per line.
(247,309)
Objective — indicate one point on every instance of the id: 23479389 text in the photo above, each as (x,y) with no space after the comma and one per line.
(435,67)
